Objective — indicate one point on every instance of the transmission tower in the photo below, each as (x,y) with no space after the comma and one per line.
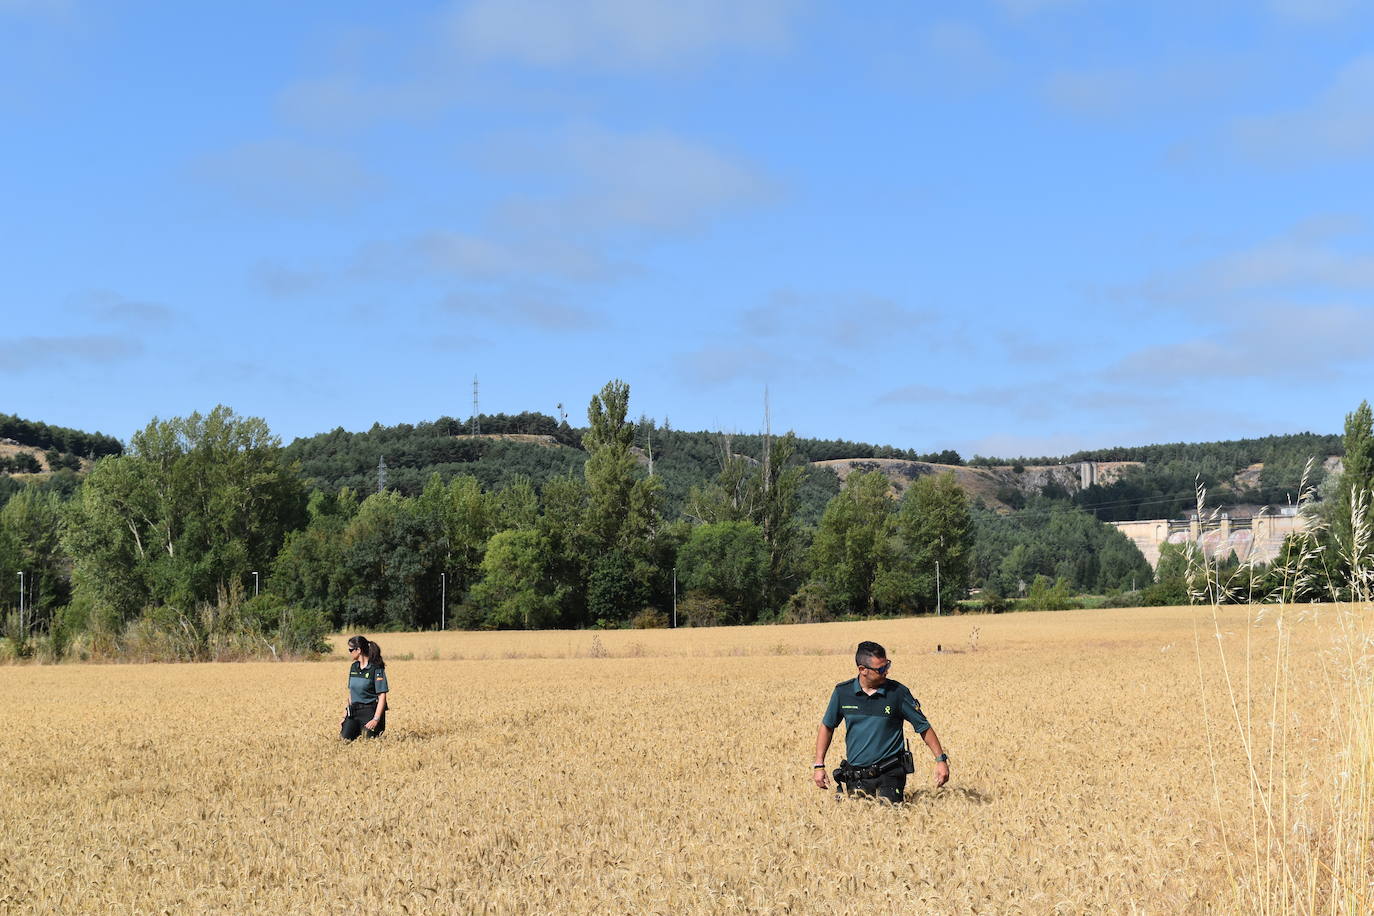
(476,422)
(381,473)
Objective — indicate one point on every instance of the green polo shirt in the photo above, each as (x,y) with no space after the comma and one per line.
(364,684)
(873,724)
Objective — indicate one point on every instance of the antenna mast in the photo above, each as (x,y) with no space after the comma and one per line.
(476,426)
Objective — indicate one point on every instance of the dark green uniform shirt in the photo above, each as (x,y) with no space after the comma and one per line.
(365,683)
(873,724)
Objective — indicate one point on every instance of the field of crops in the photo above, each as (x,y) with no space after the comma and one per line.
(669,772)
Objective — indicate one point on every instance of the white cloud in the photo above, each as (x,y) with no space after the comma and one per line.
(718,364)
(1165,86)
(854,321)
(1270,344)
(346,100)
(617,33)
(521,307)
(651,180)
(1032,7)
(287,176)
(485,258)
(1312,257)
(1337,124)
(1313,10)
(21,354)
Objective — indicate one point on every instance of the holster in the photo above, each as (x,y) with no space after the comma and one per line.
(848,774)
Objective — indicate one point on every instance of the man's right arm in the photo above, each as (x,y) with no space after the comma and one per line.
(824,735)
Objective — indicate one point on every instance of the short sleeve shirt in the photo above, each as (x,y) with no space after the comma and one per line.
(364,684)
(873,724)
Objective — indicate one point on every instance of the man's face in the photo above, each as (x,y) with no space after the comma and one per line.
(874,673)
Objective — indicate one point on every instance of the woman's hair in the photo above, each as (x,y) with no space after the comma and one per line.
(371,650)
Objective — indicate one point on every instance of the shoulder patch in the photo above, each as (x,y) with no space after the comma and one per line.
(844,683)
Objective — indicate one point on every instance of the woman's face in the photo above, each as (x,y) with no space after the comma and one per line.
(355,653)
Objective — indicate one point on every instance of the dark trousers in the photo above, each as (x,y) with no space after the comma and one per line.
(889,787)
(359,714)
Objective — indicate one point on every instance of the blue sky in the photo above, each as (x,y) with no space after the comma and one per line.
(1005,227)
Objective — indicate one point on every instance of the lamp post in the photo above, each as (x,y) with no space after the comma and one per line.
(21,601)
(674,597)
(443,600)
(937,588)
(255,583)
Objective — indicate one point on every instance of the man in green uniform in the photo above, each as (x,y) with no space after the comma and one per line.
(873,707)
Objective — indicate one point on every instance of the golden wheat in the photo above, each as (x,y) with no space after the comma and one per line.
(664,772)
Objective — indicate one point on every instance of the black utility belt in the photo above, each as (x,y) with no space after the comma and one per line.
(848,773)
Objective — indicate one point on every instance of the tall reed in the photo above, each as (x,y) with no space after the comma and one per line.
(1311,803)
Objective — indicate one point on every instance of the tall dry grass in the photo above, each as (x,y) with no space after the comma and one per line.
(1308,766)
(668,772)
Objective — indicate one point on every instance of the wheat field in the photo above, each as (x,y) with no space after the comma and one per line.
(1098,765)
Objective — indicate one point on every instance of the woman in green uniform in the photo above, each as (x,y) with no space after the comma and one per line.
(367,689)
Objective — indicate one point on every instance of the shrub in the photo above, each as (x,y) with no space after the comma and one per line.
(1045,595)
(809,604)
(700,610)
(649,619)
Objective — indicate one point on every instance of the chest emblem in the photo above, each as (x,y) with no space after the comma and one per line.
(887,710)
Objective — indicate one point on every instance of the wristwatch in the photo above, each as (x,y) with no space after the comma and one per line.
(817,766)
(943,758)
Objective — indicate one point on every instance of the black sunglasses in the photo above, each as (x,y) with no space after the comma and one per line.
(882,670)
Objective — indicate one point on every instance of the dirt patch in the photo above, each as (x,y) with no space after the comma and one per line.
(530,438)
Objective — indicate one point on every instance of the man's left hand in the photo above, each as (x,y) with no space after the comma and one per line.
(941,774)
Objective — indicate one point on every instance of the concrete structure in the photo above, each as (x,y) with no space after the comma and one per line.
(1254,536)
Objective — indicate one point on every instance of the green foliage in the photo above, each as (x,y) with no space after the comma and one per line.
(1047,595)
(852,542)
(1054,539)
(729,561)
(185,517)
(1356,478)
(37,434)
(936,532)
(515,589)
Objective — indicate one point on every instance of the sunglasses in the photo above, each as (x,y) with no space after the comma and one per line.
(882,670)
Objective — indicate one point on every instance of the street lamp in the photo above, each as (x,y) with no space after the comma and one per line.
(255,583)
(443,600)
(21,600)
(937,588)
(674,597)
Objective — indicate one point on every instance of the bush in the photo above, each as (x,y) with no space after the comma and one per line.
(649,619)
(992,602)
(701,610)
(1049,596)
(809,604)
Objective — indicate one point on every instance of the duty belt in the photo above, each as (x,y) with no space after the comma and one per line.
(847,773)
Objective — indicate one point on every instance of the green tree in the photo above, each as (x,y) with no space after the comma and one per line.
(311,569)
(394,551)
(1356,479)
(853,542)
(623,513)
(729,561)
(515,589)
(935,527)
(196,505)
(30,523)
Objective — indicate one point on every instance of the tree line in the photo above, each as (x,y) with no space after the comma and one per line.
(207,538)
(59,438)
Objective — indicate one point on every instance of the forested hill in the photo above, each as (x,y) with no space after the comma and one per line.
(538,447)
